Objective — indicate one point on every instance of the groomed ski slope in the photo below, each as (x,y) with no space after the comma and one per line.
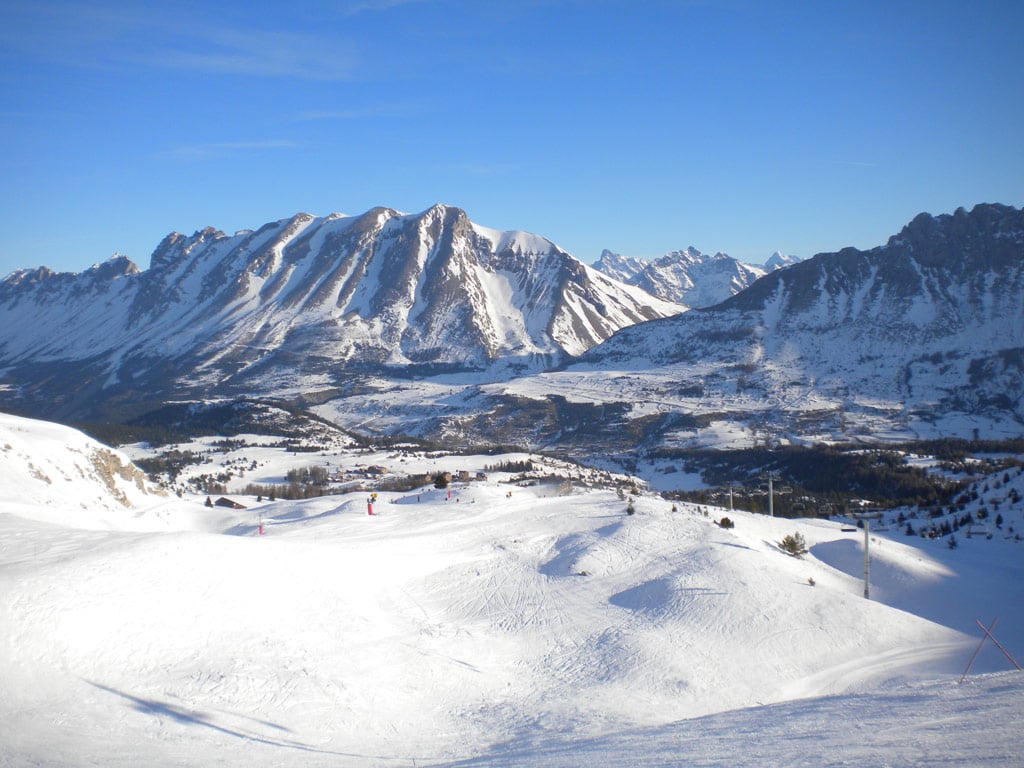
(488,629)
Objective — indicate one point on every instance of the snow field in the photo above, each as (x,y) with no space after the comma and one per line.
(488,629)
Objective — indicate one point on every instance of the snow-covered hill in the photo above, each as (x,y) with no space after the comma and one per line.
(494,624)
(53,472)
(319,296)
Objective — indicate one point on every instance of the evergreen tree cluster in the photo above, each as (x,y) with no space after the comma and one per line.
(169,463)
(510,466)
(823,479)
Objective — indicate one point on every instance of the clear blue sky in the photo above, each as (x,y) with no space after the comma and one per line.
(638,126)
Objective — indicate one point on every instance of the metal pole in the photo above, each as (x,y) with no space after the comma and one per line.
(771,497)
(867,556)
(1006,653)
(978,649)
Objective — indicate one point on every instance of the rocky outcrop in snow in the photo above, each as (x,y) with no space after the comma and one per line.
(49,470)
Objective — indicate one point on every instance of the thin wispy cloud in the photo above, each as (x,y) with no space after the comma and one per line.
(376,5)
(369,112)
(255,53)
(78,35)
(222,149)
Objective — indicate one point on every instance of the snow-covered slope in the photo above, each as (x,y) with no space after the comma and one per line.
(320,295)
(496,625)
(52,472)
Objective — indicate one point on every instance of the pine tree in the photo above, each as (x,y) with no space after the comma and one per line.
(794,545)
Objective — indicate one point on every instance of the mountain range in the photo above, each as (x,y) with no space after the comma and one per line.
(431,325)
(689,277)
(306,295)
(922,337)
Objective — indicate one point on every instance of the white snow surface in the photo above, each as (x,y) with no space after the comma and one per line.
(499,627)
(514,240)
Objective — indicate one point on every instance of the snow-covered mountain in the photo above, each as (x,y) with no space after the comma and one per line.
(920,337)
(687,277)
(778,260)
(923,336)
(308,295)
(950,284)
(622,268)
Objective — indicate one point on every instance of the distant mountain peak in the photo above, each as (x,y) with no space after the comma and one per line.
(117,265)
(778,260)
(686,276)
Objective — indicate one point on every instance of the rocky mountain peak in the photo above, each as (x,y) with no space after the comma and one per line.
(27,277)
(177,246)
(989,232)
(116,266)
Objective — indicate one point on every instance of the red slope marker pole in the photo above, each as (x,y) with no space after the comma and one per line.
(1000,647)
(978,649)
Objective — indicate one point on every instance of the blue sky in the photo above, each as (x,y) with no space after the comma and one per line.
(642,127)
